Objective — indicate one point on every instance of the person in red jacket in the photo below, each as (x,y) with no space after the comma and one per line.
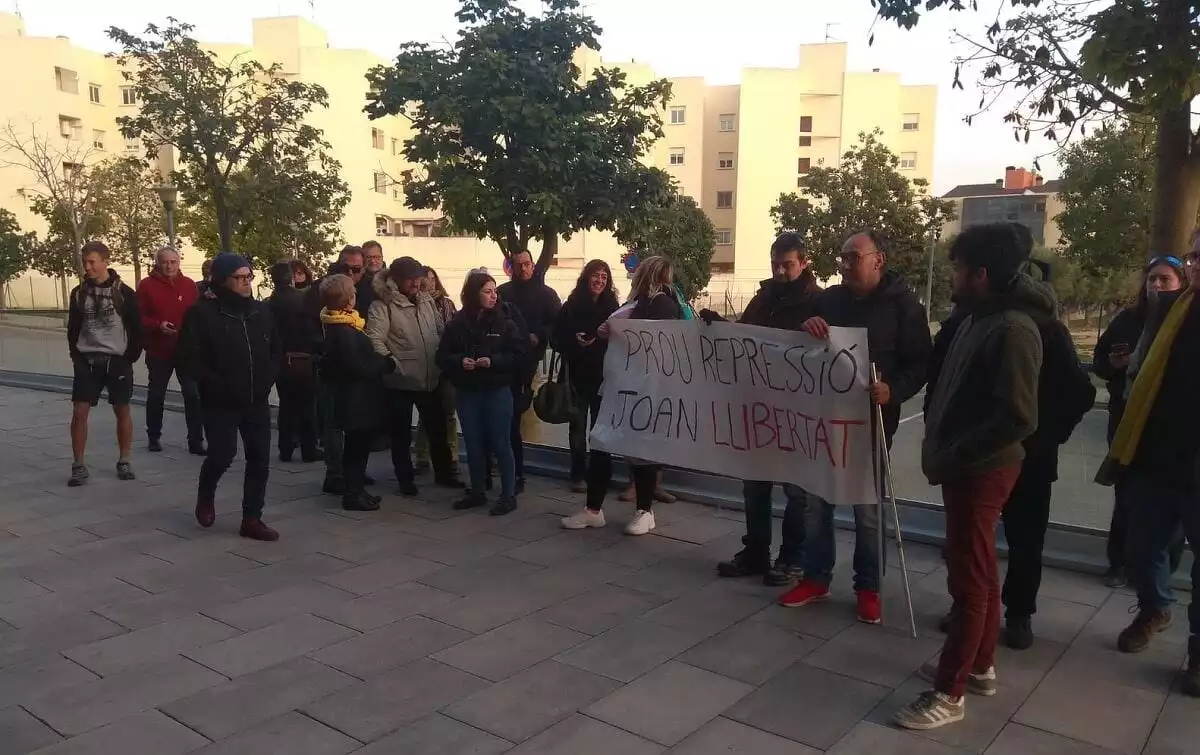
(162,300)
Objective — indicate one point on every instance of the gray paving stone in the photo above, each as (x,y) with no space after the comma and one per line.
(525,704)
(74,710)
(246,701)
(395,699)
(18,588)
(390,646)
(580,735)
(465,549)
(155,643)
(874,654)
(670,579)
(700,529)
(264,579)
(441,735)
(751,651)
(263,610)
(289,734)
(484,575)
(627,651)
(150,609)
(49,638)
(380,575)
(708,610)
(149,732)
(30,680)
(21,733)
(640,552)
(670,702)
(218,566)
(74,599)
(374,611)
(564,546)
(599,610)
(1016,739)
(810,705)
(482,612)
(502,652)
(824,619)
(722,736)
(265,647)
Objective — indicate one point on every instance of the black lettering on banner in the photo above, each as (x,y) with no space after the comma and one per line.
(649,413)
(763,350)
(647,339)
(632,346)
(849,369)
(682,419)
(665,346)
(708,352)
(737,350)
(684,360)
(619,418)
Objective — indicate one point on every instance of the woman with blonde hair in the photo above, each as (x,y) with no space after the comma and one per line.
(653,298)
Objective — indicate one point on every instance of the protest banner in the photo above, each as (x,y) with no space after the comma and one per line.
(742,401)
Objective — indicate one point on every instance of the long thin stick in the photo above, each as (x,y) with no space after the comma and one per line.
(881,442)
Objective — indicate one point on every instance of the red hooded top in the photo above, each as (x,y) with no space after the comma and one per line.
(163,300)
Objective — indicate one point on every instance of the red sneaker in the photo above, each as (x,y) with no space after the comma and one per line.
(804,593)
(869,609)
(256,530)
(206,513)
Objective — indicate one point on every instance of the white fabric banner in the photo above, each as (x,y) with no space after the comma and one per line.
(742,401)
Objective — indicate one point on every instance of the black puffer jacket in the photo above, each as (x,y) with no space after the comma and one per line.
(1065,394)
(782,304)
(1125,328)
(488,333)
(582,314)
(538,305)
(230,347)
(897,336)
(287,309)
(354,373)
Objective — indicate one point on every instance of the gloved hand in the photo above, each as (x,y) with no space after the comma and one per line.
(709,316)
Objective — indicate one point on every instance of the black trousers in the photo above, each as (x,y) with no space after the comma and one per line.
(1026,517)
(599,477)
(159,374)
(433,417)
(297,415)
(356,450)
(223,425)
(1118,533)
(589,408)
(521,394)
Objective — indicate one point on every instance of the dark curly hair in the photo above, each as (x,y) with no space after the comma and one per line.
(582,286)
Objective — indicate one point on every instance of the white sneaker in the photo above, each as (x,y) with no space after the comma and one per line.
(642,523)
(584,519)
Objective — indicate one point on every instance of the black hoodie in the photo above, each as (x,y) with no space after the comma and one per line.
(897,336)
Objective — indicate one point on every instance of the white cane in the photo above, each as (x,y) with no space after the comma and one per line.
(890,494)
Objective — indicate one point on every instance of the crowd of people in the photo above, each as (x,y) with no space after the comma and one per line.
(351,355)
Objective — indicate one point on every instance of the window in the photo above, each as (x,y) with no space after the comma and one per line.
(395,146)
(724,237)
(70,170)
(676,156)
(806,124)
(128,96)
(395,191)
(799,182)
(724,200)
(94,93)
(726,122)
(66,80)
(803,165)
(806,141)
(97,138)
(376,138)
(381,182)
(383,226)
(1039,207)
(908,160)
(678,116)
(725,161)
(70,128)
(911,122)
(132,144)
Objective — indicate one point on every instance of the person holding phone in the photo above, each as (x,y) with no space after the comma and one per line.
(589,305)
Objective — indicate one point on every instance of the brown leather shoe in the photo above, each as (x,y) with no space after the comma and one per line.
(256,530)
(206,513)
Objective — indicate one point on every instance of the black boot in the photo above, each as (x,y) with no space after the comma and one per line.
(1018,632)
(311,456)
(286,455)
(359,501)
(470,501)
(154,446)
(334,486)
(196,448)
(504,506)
(1191,675)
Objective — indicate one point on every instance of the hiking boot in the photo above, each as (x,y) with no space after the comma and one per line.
(977,684)
(334,486)
(359,501)
(584,519)
(79,475)
(782,575)
(1136,637)
(255,529)
(196,448)
(930,711)
(804,593)
(870,610)
(1191,675)
(744,564)
(641,524)
(470,501)
(154,446)
(125,471)
(408,489)
(1115,577)
(206,513)
(1018,632)
(505,505)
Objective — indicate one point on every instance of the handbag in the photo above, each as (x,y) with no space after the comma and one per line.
(556,402)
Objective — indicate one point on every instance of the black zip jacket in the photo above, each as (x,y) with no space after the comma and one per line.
(354,372)
(782,304)
(538,305)
(1065,394)
(130,317)
(230,347)
(287,310)
(490,333)
(897,336)
(583,315)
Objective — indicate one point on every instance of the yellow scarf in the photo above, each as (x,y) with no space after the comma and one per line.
(343,318)
(1144,392)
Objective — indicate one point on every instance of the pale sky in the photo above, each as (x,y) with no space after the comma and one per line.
(676,37)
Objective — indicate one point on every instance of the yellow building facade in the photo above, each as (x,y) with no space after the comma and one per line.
(733,148)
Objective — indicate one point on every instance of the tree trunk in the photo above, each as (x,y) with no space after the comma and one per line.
(549,249)
(62,286)
(224,221)
(137,263)
(1176,184)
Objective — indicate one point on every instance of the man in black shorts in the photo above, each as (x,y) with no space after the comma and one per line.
(105,339)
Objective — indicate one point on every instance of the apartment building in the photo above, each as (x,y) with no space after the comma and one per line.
(1022,196)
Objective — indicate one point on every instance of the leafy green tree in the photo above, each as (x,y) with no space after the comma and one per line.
(1073,62)
(867,191)
(133,211)
(223,120)
(678,230)
(510,141)
(16,250)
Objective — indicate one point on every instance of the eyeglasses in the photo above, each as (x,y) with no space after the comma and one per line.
(355,269)
(852,258)
(247,278)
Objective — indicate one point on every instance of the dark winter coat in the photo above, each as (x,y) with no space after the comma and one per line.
(229,345)
(658,305)
(1125,328)
(582,314)
(353,374)
(287,309)
(490,333)
(1065,394)
(538,305)
(124,301)
(782,304)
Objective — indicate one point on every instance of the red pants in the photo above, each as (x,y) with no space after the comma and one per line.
(973,506)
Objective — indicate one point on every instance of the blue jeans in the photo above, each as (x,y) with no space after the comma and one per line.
(756,495)
(485,418)
(820,550)
(1156,512)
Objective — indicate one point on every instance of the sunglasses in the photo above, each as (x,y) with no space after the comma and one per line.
(355,268)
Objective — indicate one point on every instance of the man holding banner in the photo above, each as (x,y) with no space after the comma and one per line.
(784,302)
(877,299)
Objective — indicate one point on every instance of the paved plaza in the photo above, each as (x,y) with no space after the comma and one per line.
(125,629)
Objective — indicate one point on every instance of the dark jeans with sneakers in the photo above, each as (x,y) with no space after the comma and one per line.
(159,373)
(1026,517)
(588,409)
(223,425)
(429,408)
(485,417)
(756,496)
(973,506)
(1118,532)
(1159,512)
(820,548)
